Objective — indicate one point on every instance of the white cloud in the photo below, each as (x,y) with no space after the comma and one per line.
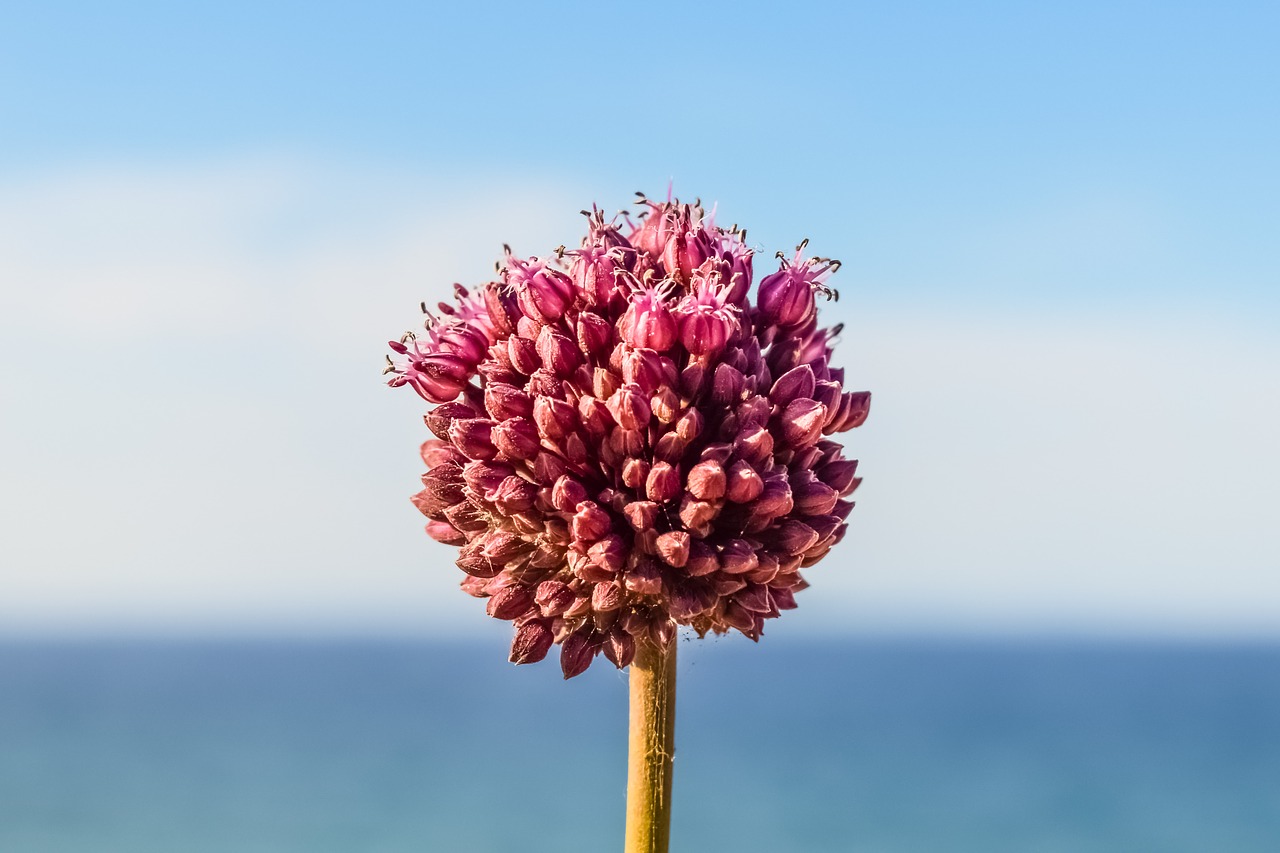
(195,434)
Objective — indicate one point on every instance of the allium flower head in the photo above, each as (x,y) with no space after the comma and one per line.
(624,443)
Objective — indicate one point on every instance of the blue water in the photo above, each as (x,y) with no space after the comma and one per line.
(788,746)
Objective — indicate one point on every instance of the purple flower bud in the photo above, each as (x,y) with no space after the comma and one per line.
(662,632)
(685,602)
(442,487)
(606,597)
(603,383)
(703,559)
(743,484)
(445,533)
(528,328)
(547,468)
(550,554)
(544,383)
(501,309)
(504,401)
(663,483)
(670,448)
(811,495)
(513,495)
(706,322)
(590,522)
(467,517)
(610,553)
(795,383)
(665,405)
(754,444)
(595,418)
(824,525)
(740,618)
(783,599)
(543,292)
(648,323)
(595,334)
(473,561)
(567,494)
(685,251)
(634,473)
(580,607)
(707,481)
(619,648)
(737,556)
(483,477)
(802,422)
(555,418)
(697,515)
(828,394)
(436,452)
(593,272)
(466,342)
(693,380)
(786,297)
(576,653)
(767,568)
(641,515)
(645,369)
(553,597)
(673,547)
(517,438)
(503,546)
(794,537)
(775,499)
(690,424)
(532,642)
(626,442)
(754,597)
(523,354)
(558,352)
(629,406)
(438,377)
(839,474)
(654,230)
(726,387)
(510,602)
(474,586)
(854,408)
(439,418)
(644,578)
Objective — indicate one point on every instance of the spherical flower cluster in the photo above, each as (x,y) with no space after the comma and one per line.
(625,443)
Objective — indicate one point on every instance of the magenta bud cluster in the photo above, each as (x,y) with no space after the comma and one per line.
(625,442)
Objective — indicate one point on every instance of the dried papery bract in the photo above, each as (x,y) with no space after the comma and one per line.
(625,442)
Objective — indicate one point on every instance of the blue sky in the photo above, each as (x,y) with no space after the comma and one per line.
(882,124)
(1058,225)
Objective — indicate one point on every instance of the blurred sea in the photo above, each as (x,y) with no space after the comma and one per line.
(868,745)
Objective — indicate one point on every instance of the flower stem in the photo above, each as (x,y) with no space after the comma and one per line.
(651,746)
